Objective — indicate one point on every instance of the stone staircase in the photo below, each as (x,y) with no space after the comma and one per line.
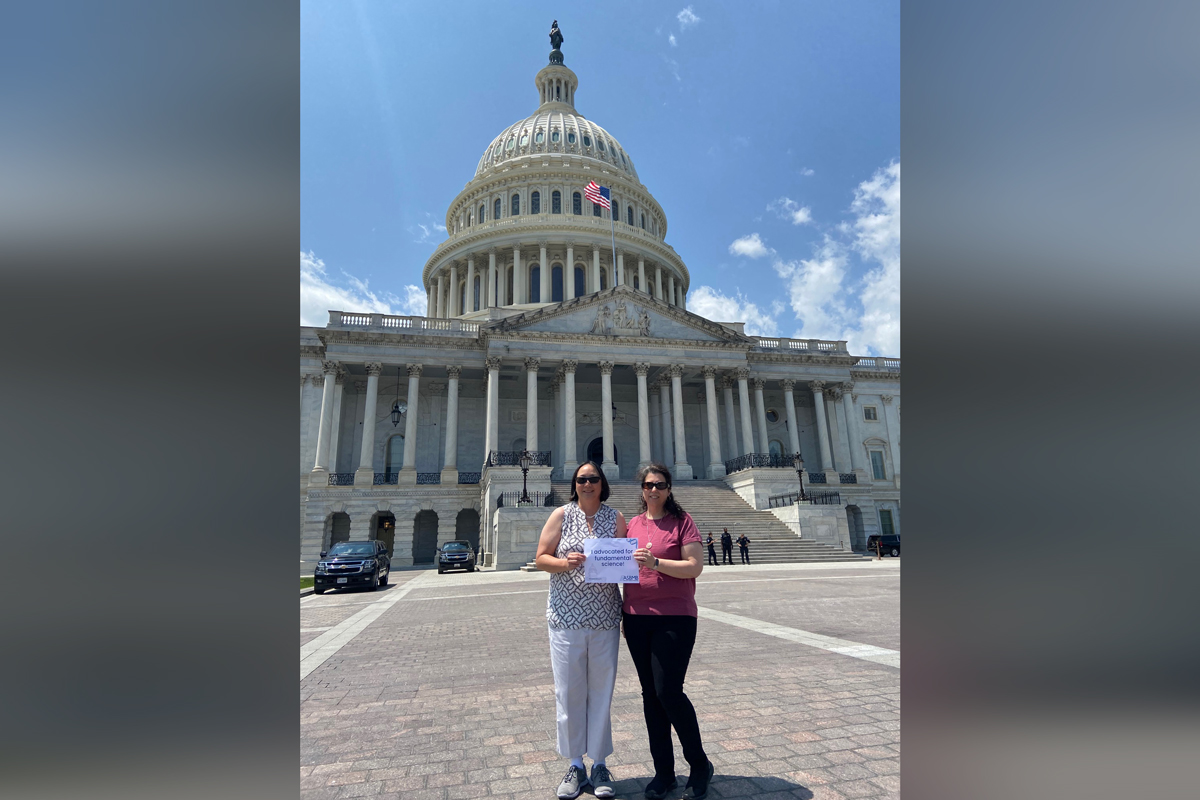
(713,506)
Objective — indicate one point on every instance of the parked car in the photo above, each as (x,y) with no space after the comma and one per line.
(457,554)
(887,544)
(349,564)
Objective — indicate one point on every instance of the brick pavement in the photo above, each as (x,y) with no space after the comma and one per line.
(449,693)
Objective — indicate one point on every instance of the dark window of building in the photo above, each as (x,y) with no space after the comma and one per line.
(595,209)
(580,282)
(576,204)
(535,284)
(603,279)
(482,214)
(629,215)
(556,283)
(516,205)
(475,302)
(643,220)
(535,203)
(555,202)
(496,210)
(877,465)
(885,522)
(616,210)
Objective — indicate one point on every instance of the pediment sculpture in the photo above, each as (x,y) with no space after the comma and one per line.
(620,322)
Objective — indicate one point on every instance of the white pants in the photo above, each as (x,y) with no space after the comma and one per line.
(585,672)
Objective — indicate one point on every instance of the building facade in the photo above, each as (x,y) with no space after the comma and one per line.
(558,326)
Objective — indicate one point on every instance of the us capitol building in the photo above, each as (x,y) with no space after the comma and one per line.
(539,337)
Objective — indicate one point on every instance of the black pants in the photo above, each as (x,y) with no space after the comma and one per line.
(661,647)
(712,555)
(726,555)
(745,555)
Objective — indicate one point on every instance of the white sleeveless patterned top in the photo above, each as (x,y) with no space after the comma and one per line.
(573,604)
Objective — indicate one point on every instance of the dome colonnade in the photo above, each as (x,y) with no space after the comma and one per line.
(522,232)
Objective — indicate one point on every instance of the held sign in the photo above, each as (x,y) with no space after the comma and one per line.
(610,561)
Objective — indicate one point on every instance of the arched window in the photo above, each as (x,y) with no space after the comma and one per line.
(603,279)
(535,202)
(776,447)
(511,299)
(629,215)
(394,459)
(580,281)
(475,302)
(556,202)
(496,212)
(482,214)
(469,220)
(462,299)
(577,204)
(556,283)
(616,210)
(643,218)
(635,282)
(535,284)
(516,205)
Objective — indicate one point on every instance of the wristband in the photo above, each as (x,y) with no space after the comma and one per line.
(656,562)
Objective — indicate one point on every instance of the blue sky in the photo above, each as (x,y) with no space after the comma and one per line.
(768,131)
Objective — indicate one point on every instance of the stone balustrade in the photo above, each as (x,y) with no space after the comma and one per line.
(345,320)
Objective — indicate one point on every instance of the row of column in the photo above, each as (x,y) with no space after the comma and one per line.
(446,298)
(563,386)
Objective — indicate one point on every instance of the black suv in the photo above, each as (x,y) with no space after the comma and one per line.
(887,544)
(456,555)
(347,564)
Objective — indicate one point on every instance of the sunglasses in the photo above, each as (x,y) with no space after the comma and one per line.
(582,479)
(660,485)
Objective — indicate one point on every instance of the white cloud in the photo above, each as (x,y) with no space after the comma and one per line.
(320,294)
(877,238)
(806,172)
(671,39)
(711,304)
(789,209)
(687,18)
(750,246)
(816,293)
(673,65)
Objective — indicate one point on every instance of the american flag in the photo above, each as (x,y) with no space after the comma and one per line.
(598,195)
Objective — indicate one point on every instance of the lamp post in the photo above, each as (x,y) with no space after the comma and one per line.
(525,460)
(398,408)
(798,460)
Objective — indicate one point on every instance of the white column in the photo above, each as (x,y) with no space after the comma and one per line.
(671,289)
(744,398)
(683,470)
(321,463)
(595,268)
(570,452)
(569,277)
(893,433)
(852,430)
(491,281)
(664,420)
(450,461)
(611,470)
(441,307)
(642,368)
(620,267)
(837,435)
(339,391)
(556,395)
(453,293)
(544,288)
(408,472)
(642,276)
(519,294)
(658,283)
(731,439)
(470,284)
(531,404)
(818,393)
(761,413)
(716,466)
(365,474)
(682,297)
(790,401)
(430,301)
(491,440)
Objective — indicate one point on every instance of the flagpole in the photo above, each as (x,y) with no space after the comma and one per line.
(613,230)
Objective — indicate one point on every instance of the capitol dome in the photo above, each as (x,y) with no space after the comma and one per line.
(526,231)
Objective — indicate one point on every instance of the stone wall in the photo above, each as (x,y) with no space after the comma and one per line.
(824,524)
(516,532)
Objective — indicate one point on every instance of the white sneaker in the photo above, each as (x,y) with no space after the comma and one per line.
(572,783)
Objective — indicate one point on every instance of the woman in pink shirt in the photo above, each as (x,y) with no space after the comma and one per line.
(659,616)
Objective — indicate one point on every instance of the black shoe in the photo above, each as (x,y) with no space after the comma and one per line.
(658,787)
(697,785)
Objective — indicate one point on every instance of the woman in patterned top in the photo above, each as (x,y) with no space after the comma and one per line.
(585,623)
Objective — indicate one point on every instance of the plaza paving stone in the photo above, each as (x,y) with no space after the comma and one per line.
(449,693)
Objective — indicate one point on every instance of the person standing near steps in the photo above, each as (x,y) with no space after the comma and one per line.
(659,616)
(585,638)
(726,547)
(744,546)
(712,553)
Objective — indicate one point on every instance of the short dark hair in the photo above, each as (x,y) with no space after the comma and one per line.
(604,490)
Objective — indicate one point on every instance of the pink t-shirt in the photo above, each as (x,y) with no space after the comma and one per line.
(656,593)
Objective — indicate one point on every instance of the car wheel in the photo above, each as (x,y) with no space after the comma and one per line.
(440,570)
(895,551)
(318,591)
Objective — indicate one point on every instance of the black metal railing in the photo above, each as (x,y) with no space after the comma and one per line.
(512,499)
(469,477)
(341,479)
(817,477)
(512,458)
(847,477)
(428,478)
(386,478)
(811,498)
(776,460)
